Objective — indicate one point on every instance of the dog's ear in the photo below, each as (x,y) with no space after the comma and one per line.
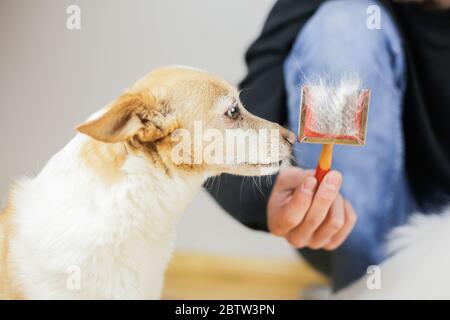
(132,115)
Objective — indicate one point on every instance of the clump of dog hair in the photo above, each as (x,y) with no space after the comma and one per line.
(333,106)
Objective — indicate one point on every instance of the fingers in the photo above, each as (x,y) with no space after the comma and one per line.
(290,189)
(339,237)
(333,223)
(290,179)
(290,215)
(309,216)
(321,204)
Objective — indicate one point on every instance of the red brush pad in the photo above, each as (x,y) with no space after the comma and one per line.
(309,125)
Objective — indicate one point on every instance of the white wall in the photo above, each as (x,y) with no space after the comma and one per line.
(52,78)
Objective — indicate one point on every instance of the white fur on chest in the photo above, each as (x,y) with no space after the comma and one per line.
(118,238)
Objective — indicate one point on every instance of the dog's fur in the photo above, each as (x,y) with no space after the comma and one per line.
(418,267)
(106,206)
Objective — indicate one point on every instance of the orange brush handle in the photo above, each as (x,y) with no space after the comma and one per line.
(324,164)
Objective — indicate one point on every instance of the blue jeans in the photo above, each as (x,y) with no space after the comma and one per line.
(336,40)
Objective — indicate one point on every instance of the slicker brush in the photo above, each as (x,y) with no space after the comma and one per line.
(333,115)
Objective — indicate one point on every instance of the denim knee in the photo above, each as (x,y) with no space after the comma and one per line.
(339,40)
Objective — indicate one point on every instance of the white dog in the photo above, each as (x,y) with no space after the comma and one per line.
(419,267)
(105,208)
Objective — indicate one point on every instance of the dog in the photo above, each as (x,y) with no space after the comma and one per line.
(99,221)
(417,266)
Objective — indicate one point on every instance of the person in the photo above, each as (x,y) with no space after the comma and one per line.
(405,164)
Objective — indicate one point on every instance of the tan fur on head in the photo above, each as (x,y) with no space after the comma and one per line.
(134,114)
(165,100)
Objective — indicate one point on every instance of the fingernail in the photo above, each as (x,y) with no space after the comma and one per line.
(309,185)
(332,180)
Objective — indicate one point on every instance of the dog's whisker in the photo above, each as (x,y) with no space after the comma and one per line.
(256,184)
(240,191)
(218,185)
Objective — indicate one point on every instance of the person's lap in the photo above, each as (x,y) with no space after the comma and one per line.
(334,42)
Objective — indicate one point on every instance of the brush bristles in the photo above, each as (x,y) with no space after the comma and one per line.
(333,108)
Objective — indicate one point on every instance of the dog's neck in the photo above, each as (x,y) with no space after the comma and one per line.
(115,176)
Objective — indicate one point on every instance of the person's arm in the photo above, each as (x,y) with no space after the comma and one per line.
(242,199)
(263,94)
(293,207)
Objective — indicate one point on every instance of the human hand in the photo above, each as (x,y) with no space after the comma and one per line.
(307,215)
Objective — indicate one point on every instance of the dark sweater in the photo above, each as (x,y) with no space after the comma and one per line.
(426,37)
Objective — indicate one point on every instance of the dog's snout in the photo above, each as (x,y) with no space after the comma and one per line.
(287,135)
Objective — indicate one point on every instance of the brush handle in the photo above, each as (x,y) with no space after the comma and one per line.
(324,164)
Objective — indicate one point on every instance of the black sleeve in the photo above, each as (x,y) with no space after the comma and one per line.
(263,95)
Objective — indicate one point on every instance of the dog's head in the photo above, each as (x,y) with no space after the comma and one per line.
(191,120)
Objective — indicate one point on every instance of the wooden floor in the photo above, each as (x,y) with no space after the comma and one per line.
(205,276)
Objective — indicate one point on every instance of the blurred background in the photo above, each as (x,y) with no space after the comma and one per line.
(52,78)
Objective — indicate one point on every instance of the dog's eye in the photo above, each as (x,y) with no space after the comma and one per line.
(233,112)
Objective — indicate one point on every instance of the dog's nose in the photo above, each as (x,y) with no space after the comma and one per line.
(289,136)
